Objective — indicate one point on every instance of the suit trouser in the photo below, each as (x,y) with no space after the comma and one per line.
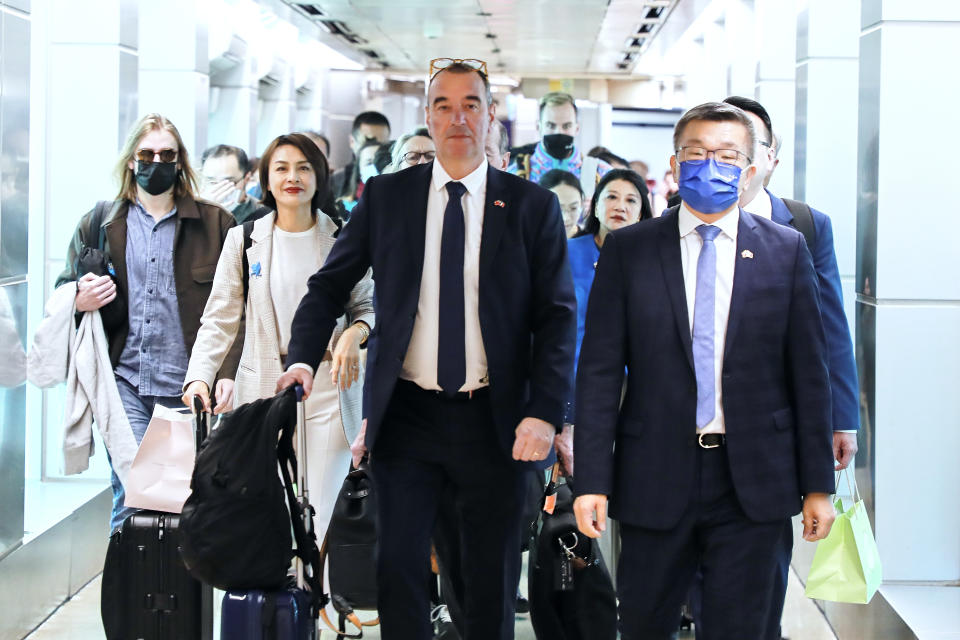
(736,555)
(781,576)
(426,445)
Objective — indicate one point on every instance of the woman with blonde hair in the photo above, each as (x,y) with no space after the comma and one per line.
(286,247)
(162,245)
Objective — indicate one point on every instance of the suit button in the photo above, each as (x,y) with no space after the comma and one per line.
(399,359)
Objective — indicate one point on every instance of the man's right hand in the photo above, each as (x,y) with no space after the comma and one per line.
(94,292)
(591,512)
(197,388)
(296,375)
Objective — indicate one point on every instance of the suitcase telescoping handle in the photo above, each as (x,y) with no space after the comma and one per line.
(203,420)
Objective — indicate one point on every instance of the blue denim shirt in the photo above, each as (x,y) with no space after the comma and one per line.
(154,357)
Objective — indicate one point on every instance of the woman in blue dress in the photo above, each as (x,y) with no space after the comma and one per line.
(621,199)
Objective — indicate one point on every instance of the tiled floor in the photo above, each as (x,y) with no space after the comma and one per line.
(79,619)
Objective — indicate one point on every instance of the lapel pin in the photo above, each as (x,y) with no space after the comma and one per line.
(499,203)
(255,269)
(746,253)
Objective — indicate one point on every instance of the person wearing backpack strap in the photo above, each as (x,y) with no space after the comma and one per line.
(261,276)
(160,245)
(558,126)
(817,230)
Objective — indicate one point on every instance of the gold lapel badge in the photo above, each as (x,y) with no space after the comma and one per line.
(746,253)
(499,203)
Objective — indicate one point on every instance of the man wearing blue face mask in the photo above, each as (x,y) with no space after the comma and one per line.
(724,432)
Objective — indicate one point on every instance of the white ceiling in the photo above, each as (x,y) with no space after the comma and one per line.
(529,37)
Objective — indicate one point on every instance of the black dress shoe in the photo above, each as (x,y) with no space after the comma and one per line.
(523,605)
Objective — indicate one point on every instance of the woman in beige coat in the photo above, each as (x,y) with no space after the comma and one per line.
(287,247)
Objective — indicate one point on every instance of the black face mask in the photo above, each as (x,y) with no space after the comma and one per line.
(558,145)
(156,177)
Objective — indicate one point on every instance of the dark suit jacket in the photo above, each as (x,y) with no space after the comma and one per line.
(527,307)
(840,359)
(776,394)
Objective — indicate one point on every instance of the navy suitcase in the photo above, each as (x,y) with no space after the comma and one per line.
(284,615)
(147,592)
(278,615)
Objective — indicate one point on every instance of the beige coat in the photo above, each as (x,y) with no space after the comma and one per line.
(260,364)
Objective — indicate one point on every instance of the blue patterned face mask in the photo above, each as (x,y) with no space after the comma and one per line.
(709,186)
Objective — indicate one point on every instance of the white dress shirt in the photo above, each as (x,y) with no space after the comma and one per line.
(761,205)
(420,363)
(726,244)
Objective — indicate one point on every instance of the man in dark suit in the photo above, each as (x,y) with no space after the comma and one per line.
(818,232)
(468,365)
(724,430)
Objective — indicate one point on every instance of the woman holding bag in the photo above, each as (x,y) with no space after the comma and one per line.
(285,248)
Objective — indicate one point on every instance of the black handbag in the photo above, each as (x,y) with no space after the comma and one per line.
(570,590)
(93,259)
(349,550)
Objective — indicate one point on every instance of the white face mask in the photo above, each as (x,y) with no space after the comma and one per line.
(368,171)
(230,200)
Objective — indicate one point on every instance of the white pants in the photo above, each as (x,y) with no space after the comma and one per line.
(328,452)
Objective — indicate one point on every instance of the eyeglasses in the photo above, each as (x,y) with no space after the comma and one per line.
(146,156)
(414,157)
(723,156)
(439,64)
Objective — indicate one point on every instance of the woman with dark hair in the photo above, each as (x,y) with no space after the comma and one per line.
(363,169)
(619,201)
(566,187)
(287,246)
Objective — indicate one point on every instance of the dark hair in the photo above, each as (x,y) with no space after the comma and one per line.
(752,106)
(592,224)
(221,150)
(374,118)
(716,112)
(350,184)
(556,177)
(459,67)
(314,156)
(608,156)
(383,156)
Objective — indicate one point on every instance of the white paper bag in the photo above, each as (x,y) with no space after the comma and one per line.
(159,477)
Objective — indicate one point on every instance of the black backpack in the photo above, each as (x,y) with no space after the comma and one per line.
(93,259)
(803,221)
(235,524)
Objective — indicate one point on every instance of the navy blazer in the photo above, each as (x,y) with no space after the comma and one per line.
(776,393)
(841,361)
(527,306)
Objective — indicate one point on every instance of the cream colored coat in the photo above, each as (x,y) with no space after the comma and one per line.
(260,364)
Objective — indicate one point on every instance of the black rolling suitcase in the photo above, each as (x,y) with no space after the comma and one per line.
(147,593)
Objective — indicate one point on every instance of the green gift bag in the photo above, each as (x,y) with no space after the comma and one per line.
(846,565)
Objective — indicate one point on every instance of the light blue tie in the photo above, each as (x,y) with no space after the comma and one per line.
(703,330)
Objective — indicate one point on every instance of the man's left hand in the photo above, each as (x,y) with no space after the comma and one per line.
(534,439)
(818,516)
(844,448)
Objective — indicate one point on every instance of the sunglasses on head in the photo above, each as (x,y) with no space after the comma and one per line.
(439,64)
(146,156)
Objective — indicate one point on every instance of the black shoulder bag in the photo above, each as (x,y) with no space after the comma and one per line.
(92,258)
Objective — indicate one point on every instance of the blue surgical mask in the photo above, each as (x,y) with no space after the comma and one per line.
(709,186)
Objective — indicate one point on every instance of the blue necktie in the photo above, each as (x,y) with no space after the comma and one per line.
(451,355)
(703,326)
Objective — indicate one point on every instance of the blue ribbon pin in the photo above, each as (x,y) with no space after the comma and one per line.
(255,269)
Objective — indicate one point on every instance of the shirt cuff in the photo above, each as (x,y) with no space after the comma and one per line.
(300,365)
(844,430)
